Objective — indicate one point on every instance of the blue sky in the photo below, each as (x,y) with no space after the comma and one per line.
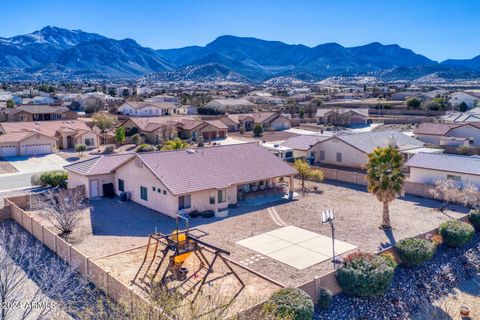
(439,29)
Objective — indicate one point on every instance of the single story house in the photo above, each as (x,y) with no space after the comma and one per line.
(343,117)
(349,149)
(65,133)
(207,129)
(147,109)
(37,113)
(428,168)
(176,181)
(271,121)
(187,109)
(153,129)
(470,98)
(442,133)
(231,105)
(26,143)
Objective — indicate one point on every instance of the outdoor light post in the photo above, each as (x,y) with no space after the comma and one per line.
(327,217)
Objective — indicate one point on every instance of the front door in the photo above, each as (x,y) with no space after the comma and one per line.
(69,142)
(93,188)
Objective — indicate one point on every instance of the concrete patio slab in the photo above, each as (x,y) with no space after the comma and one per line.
(296,247)
(293,234)
(264,243)
(298,257)
(323,245)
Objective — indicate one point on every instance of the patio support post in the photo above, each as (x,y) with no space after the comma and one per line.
(290,187)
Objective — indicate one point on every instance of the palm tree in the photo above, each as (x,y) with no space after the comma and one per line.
(175,144)
(385,178)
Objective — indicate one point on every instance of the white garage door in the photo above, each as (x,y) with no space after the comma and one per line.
(34,149)
(8,151)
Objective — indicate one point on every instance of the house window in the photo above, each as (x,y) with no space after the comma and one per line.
(184,202)
(89,142)
(159,190)
(121,185)
(322,155)
(454,178)
(222,196)
(153,188)
(164,191)
(339,157)
(143,193)
(212,197)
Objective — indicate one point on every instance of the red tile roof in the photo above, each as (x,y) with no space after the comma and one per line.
(99,164)
(48,128)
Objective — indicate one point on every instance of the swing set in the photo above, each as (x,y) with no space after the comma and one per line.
(166,263)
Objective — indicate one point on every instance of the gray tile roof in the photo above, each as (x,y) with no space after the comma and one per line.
(186,171)
(100,164)
(368,141)
(446,162)
(303,142)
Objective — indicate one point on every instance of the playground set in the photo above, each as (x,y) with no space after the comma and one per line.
(182,263)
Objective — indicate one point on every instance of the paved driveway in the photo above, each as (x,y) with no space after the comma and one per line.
(27,166)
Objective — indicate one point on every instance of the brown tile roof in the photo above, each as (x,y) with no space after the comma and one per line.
(141,104)
(440,129)
(152,123)
(100,164)
(15,136)
(186,171)
(38,109)
(48,128)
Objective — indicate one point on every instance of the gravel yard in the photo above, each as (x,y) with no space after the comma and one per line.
(111,226)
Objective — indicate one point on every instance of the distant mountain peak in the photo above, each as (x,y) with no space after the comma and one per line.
(59,52)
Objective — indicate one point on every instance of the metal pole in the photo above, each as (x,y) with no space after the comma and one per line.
(333,245)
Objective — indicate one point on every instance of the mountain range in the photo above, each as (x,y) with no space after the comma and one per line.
(59,54)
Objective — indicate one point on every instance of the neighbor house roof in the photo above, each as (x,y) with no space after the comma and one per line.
(324,111)
(214,167)
(100,164)
(446,162)
(18,136)
(48,128)
(38,109)
(141,104)
(440,129)
(303,142)
(233,102)
(150,124)
(368,141)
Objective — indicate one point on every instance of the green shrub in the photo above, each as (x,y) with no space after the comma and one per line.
(55,178)
(289,303)
(324,299)
(145,148)
(80,148)
(456,233)
(413,252)
(475,218)
(109,148)
(136,139)
(365,275)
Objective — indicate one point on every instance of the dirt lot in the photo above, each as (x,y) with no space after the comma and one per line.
(112,226)
(6,167)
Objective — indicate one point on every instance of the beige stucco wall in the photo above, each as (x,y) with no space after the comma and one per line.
(280,123)
(428,176)
(38,139)
(75,180)
(351,157)
(88,135)
(134,177)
